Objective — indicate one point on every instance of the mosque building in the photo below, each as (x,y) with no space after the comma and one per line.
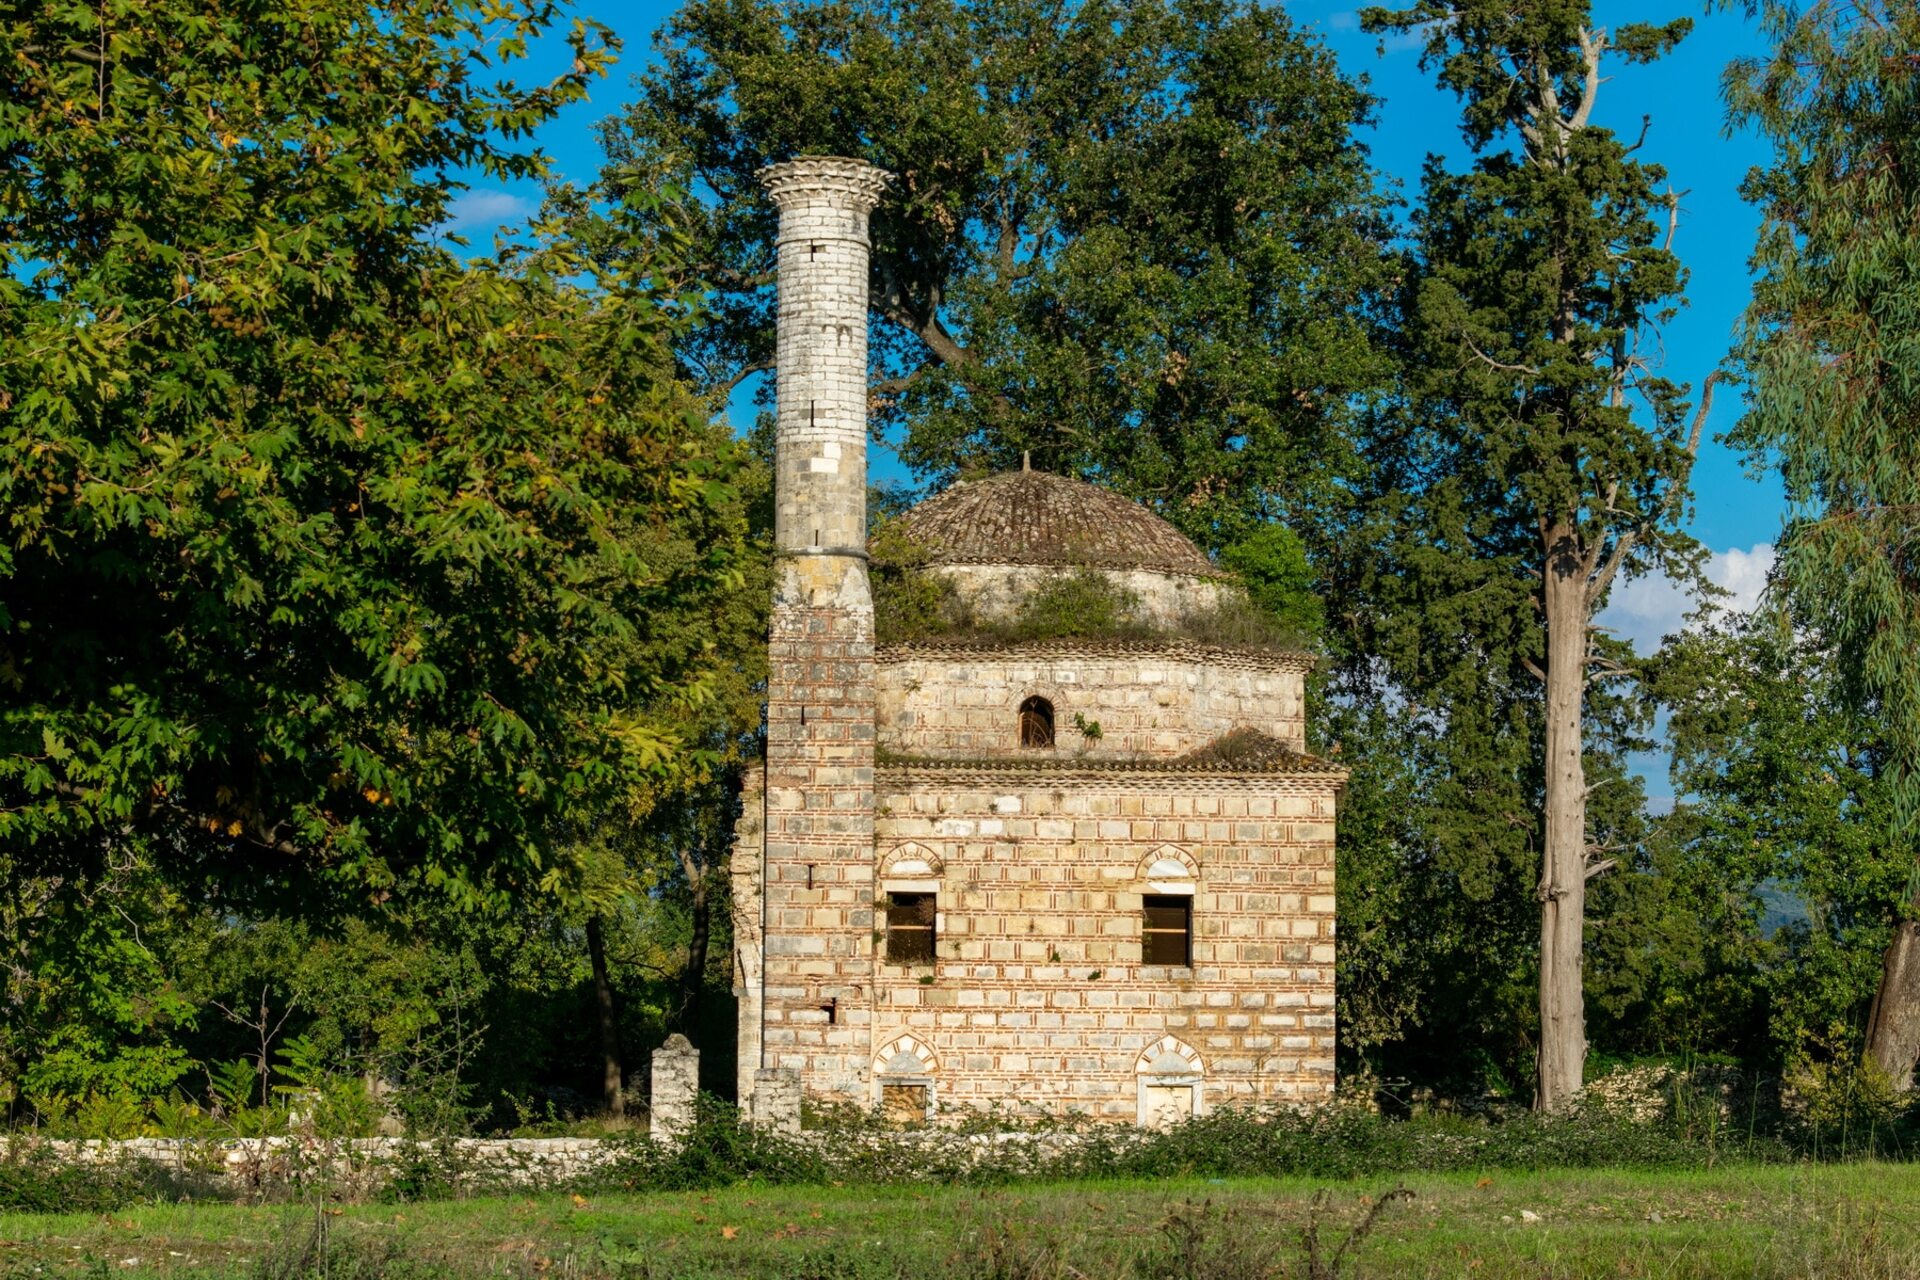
(1085,874)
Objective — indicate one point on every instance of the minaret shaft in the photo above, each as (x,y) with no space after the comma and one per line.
(814,1002)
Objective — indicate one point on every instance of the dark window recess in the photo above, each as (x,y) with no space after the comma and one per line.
(910,918)
(1036,723)
(1166,936)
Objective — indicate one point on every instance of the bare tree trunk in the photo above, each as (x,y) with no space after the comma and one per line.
(693,978)
(1563,872)
(611,1072)
(1893,1028)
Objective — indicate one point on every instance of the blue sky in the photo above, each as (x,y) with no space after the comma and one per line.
(1736,515)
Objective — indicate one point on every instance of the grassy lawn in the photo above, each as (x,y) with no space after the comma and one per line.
(1860,1220)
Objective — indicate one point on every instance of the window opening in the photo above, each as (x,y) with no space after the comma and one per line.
(904,1104)
(1167,930)
(910,921)
(1036,723)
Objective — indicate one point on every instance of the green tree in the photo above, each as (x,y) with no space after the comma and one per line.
(1551,455)
(1831,345)
(332,562)
(1139,240)
(1783,845)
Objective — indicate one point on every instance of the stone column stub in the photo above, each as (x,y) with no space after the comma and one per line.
(776,1099)
(676,1087)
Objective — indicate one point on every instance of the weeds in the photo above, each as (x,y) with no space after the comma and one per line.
(1324,1266)
(313,1249)
(33,1179)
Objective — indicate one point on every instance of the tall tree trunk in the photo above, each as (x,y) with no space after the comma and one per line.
(1893,1029)
(611,1072)
(1563,872)
(693,978)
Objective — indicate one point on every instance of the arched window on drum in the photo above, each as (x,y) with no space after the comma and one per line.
(1036,723)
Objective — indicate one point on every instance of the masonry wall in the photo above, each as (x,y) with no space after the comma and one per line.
(1150,702)
(1039,994)
(997,591)
(745,869)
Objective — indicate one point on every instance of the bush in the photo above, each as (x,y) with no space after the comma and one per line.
(1841,1100)
(34,1179)
(1335,1142)
(913,604)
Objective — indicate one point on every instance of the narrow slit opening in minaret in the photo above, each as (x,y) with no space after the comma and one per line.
(813,413)
(809,875)
(816,537)
(813,251)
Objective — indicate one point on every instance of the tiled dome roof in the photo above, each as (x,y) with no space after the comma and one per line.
(1031,517)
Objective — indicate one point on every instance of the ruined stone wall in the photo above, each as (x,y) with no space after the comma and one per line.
(1151,702)
(1039,995)
(749,968)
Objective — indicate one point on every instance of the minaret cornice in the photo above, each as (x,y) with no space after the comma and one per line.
(833,180)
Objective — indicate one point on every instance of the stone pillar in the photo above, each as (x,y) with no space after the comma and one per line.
(817,873)
(676,1086)
(776,1100)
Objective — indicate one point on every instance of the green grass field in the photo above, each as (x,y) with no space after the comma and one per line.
(1857,1220)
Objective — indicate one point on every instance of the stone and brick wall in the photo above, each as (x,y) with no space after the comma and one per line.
(1151,701)
(1039,994)
(997,592)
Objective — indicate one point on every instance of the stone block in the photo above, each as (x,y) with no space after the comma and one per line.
(675,1088)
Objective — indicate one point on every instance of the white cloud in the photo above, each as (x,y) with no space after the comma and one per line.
(1647,608)
(485,209)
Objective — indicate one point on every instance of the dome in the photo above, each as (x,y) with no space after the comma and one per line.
(1033,518)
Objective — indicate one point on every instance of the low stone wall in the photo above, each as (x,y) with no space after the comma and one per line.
(354,1165)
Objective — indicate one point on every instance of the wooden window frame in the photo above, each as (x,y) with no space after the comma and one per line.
(1149,931)
(1037,724)
(902,928)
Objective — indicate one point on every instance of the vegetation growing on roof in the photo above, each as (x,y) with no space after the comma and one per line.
(1247,750)
(913,602)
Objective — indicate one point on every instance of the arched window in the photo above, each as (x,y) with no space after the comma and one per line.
(1036,723)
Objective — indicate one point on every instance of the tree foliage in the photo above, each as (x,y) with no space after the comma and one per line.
(1782,845)
(1548,453)
(1138,240)
(333,563)
(1831,346)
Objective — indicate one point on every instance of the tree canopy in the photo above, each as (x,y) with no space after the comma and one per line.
(1830,346)
(333,563)
(1140,241)
(1548,452)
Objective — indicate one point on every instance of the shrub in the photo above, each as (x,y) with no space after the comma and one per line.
(846,1145)
(34,1179)
(1843,1102)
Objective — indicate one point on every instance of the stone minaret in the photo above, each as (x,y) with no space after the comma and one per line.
(817,910)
